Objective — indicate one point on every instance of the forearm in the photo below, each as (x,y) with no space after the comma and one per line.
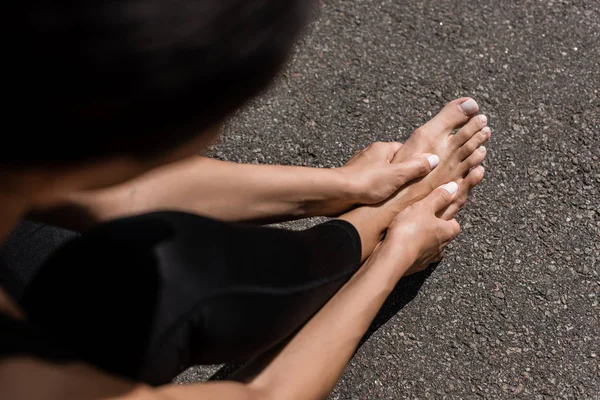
(221,190)
(312,362)
(245,192)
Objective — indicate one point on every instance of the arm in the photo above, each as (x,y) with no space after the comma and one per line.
(235,192)
(238,192)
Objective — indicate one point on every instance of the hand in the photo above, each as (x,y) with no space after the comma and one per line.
(420,233)
(373,178)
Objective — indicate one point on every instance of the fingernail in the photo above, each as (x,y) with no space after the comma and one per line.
(482,149)
(469,107)
(434,161)
(483,119)
(451,187)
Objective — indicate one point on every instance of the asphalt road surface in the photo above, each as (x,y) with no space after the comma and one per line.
(513,311)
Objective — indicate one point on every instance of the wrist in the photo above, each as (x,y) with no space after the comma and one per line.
(390,262)
(348,187)
(343,192)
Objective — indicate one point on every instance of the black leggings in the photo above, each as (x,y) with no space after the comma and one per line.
(148,296)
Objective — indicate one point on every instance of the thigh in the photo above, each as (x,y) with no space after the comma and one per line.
(146,297)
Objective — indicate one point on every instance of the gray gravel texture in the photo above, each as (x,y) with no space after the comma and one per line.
(513,310)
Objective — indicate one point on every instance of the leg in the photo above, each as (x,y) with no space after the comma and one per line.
(168,290)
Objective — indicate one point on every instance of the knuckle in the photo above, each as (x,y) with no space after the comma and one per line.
(423,166)
(443,196)
(394,147)
(419,131)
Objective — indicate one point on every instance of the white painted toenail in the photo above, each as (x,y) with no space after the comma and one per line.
(483,119)
(482,149)
(451,187)
(434,161)
(486,131)
(469,107)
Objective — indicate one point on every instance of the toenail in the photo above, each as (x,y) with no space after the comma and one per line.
(434,161)
(482,149)
(451,187)
(486,131)
(469,107)
(483,119)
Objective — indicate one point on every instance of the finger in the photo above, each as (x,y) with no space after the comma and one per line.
(441,197)
(448,231)
(394,147)
(474,178)
(415,167)
(452,229)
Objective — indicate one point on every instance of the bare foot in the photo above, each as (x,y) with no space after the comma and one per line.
(458,154)
(436,137)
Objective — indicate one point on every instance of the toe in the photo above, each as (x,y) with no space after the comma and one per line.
(475,158)
(454,115)
(473,144)
(473,179)
(474,125)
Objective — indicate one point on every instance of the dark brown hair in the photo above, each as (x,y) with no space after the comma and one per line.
(93,78)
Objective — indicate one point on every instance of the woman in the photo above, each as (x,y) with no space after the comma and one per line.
(136,299)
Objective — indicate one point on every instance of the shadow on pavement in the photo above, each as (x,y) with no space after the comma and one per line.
(404,292)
